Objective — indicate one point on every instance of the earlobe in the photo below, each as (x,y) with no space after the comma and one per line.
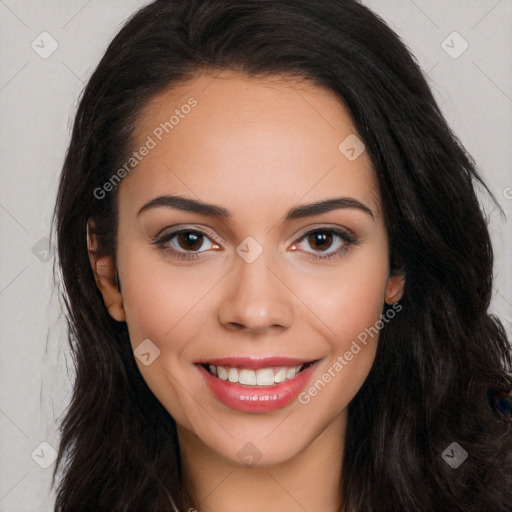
(394,288)
(105,275)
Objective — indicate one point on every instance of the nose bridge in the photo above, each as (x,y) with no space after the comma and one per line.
(255,298)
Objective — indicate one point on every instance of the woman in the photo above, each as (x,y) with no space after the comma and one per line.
(277,274)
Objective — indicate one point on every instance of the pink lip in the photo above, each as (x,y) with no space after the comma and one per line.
(254,362)
(256,398)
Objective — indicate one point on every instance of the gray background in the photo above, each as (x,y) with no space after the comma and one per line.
(38,98)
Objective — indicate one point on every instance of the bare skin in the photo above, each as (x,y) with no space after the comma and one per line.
(257,147)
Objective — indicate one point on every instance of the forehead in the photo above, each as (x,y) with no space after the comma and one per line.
(229,137)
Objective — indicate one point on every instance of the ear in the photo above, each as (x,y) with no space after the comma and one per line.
(394,288)
(105,275)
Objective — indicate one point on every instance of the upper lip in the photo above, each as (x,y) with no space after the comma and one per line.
(255,362)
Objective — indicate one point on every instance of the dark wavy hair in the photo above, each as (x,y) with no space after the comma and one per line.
(438,362)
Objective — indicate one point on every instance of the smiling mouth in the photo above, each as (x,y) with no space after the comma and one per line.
(270,376)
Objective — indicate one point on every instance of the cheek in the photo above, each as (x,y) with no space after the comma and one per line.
(349,298)
(349,304)
(353,316)
(167,307)
(162,300)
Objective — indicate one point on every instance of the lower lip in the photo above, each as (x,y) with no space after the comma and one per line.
(256,398)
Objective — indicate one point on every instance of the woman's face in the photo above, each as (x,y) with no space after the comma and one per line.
(231,300)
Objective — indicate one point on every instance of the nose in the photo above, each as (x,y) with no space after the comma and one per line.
(255,298)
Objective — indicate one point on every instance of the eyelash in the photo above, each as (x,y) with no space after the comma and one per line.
(345,235)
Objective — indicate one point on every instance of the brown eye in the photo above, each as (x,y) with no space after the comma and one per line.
(190,240)
(320,240)
(185,244)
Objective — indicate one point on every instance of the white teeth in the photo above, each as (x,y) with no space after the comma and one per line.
(221,372)
(247,377)
(280,376)
(260,377)
(264,377)
(290,373)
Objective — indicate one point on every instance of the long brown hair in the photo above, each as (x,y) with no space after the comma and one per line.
(439,364)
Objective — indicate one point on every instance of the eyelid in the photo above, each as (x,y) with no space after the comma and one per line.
(327,227)
(178,228)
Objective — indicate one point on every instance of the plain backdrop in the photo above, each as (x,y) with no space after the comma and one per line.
(38,98)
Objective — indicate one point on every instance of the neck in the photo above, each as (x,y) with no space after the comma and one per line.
(309,480)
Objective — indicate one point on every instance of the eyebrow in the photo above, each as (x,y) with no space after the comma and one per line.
(211,210)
